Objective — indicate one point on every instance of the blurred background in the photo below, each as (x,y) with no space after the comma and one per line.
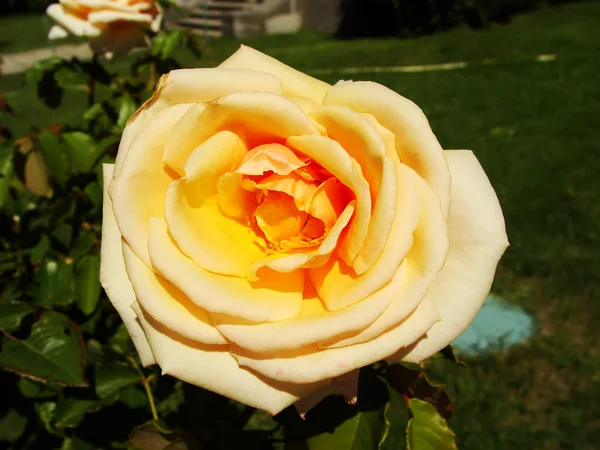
(516,81)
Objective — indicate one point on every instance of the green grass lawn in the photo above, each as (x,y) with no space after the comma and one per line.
(535,127)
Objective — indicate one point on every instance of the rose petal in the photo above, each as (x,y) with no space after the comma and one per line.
(108,16)
(415,142)
(310,364)
(214,241)
(477,241)
(313,325)
(274,297)
(70,22)
(212,367)
(139,191)
(334,158)
(339,286)
(295,83)
(57,32)
(425,259)
(167,304)
(113,276)
(276,158)
(258,117)
(363,143)
(193,85)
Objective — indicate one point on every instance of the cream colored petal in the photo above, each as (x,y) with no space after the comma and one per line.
(362,141)
(214,241)
(477,241)
(336,160)
(258,117)
(113,276)
(71,23)
(193,85)
(339,286)
(274,297)
(425,259)
(310,364)
(139,191)
(211,367)
(167,304)
(57,32)
(313,325)
(346,385)
(301,260)
(295,83)
(416,144)
(270,157)
(108,16)
(110,5)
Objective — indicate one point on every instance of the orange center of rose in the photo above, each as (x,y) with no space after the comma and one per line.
(294,201)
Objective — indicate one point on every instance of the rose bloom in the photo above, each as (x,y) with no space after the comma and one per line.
(266,234)
(113,26)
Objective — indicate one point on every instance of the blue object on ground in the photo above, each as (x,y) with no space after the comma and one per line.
(497,327)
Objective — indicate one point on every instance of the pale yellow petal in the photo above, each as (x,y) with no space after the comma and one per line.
(113,276)
(310,364)
(139,191)
(416,144)
(477,241)
(313,325)
(336,160)
(276,158)
(108,16)
(274,297)
(167,304)
(425,259)
(337,283)
(213,240)
(258,117)
(211,367)
(70,22)
(295,83)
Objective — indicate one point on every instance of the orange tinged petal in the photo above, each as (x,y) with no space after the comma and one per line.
(270,157)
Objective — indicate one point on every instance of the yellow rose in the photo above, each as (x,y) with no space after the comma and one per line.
(265,234)
(113,26)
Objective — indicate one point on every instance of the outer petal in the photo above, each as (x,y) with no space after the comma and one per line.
(193,85)
(313,325)
(71,23)
(336,283)
(167,304)
(213,368)
(274,297)
(310,364)
(114,277)
(57,32)
(139,191)
(258,117)
(107,16)
(477,241)
(295,83)
(415,142)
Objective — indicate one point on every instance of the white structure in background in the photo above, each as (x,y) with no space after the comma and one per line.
(245,18)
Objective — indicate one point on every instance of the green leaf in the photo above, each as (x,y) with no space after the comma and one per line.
(71,410)
(52,352)
(36,72)
(45,411)
(415,384)
(63,234)
(55,157)
(68,77)
(82,245)
(55,284)
(32,389)
(396,416)
(126,107)
(427,430)
(113,377)
(94,192)
(121,341)
(12,314)
(6,170)
(133,397)
(171,43)
(39,251)
(87,281)
(365,430)
(12,426)
(173,401)
(82,150)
